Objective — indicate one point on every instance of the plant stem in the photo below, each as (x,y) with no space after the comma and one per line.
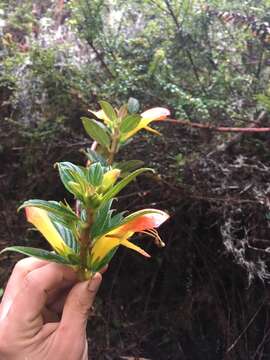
(85,242)
(114,147)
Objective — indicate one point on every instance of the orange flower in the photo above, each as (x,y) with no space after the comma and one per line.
(143,221)
(154,114)
(103,247)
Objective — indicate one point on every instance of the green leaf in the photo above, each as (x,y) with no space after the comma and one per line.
(115,221)
(40,254)
(128,166)
(123,183)
(101,219)
(95,174)
(264,100)
(53,207)
(94,157)
(66,234)
(122,112)
(96,131)
(133,105)
(104,221)
(75,189)
(108,110)
(71,174)
(130,122)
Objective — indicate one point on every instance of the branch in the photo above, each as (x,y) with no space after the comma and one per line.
(155,3)
(174,17)
(246,328)
(237,137)
(100,58)
(220,128)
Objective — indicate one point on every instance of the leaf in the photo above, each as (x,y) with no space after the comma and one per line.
(53,207)
(130,165)
(101,219)
(96,131)
(133,105)
(122,112)
(130,122)
(70,174)
(66,234)
(123,183)
(40,254)
(108,110)
(115,221)
(75,189)
(104,221)
(94,157)
(264,100)
(95,174)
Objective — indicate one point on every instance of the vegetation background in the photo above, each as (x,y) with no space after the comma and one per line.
(206,295)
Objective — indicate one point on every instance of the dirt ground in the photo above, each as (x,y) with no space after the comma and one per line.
(205,295)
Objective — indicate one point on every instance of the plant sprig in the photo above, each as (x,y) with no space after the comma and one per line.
(86,238)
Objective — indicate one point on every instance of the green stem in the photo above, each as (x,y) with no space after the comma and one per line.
(85,242)
(114,147)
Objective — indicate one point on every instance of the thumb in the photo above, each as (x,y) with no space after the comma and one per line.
(78,304)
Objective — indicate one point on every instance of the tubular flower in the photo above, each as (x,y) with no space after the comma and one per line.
(154,114)
(144,221)
(103,247)
(41,220)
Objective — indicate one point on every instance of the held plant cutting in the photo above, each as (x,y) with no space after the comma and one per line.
(87,235)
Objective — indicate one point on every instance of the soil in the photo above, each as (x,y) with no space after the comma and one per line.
(205,295)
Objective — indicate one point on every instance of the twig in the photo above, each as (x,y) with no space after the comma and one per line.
(174,17)
(219,128)
(245,329)
(236,138)
(100,58)
(261,345)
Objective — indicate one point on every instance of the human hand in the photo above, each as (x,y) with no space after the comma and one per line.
(44,312)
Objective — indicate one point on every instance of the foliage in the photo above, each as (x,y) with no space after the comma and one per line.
(194,63)
(88,237)
(59,61)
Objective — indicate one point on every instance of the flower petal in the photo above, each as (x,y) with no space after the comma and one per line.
(148,116)
(157,113)
(148,128)
(139,221)
(132,246)
(142,220)
(103,246)
(40,219)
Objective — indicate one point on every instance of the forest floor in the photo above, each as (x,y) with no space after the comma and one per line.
(205,295)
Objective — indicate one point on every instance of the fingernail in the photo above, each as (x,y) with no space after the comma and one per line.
(94,283)
(104,269)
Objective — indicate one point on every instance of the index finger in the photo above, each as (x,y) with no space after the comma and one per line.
(35,289)
(21,269)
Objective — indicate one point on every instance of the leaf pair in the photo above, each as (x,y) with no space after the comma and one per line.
(95,182)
